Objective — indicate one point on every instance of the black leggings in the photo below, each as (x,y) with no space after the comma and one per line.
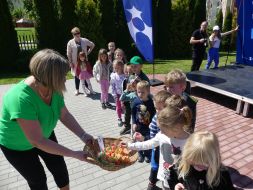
(27,163)
(77,82)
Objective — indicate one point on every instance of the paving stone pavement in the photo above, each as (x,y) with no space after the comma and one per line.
(215,113)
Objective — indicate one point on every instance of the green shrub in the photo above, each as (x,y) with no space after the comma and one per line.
(219,19)
(108,20)
(8,38)
(21,65)
(199,13)
(180,30)
(163,24)
(226,40)
(47,24)
(89,22)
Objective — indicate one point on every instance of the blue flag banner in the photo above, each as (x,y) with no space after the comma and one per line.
(244,46)
(139,20)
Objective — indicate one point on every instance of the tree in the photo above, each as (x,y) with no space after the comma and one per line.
(123,39)
(219,19)
(9,48)
(163,27)
(234,35)
(18,13)
(30,8)
(67,21)
(155,32)
(227,26)
(180,30)
(199,13)
(47,24)
(89,22)
(108,20)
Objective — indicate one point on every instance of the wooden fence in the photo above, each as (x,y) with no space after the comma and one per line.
(27,42)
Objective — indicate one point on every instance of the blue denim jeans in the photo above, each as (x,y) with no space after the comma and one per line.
(213,55)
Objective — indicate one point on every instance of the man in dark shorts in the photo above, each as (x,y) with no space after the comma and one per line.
(199,41)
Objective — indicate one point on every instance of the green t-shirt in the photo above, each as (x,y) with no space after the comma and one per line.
(22,102)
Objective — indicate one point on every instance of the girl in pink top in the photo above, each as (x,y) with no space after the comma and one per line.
(117,78)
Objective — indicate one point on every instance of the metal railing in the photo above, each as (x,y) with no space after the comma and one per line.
(27,42)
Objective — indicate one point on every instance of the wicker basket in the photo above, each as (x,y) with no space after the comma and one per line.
(94,150)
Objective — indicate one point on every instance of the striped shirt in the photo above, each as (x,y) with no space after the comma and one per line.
(154,129)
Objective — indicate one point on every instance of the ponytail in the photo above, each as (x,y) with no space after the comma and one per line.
(186,114)
(175,112)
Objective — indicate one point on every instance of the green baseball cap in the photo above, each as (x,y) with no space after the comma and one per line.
(136,60)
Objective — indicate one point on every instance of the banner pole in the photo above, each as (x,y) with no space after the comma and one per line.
(153,81)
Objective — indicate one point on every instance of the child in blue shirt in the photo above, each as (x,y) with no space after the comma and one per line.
(143,111)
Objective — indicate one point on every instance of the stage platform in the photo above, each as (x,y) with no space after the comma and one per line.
(235,81)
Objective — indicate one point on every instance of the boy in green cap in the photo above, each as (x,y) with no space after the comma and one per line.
(136,66)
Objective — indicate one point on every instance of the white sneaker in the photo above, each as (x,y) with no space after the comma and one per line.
(76,92)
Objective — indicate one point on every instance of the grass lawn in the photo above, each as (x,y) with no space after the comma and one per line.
(164,66)
(161,67)
(21,32)
(25,31)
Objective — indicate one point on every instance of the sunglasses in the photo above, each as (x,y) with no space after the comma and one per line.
(76,33)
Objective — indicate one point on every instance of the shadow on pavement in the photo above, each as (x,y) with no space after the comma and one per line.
(241,181)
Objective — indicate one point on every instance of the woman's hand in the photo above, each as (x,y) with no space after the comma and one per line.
(80,155)
(236,28)
(179,186)
(87,138)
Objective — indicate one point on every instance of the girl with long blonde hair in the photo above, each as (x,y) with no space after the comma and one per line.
(200,167)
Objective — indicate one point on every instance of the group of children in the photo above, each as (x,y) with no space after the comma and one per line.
(162,125)
(180,157)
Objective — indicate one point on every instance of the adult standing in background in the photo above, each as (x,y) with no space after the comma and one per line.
(74,47)
(199,41)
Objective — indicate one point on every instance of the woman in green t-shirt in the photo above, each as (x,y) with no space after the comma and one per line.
(30,113)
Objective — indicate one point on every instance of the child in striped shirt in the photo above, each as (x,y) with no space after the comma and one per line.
(159,103)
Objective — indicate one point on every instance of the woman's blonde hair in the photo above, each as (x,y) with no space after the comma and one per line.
(102,52)
(202,148)
(50,68)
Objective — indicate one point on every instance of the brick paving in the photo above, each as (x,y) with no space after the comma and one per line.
(214,112)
